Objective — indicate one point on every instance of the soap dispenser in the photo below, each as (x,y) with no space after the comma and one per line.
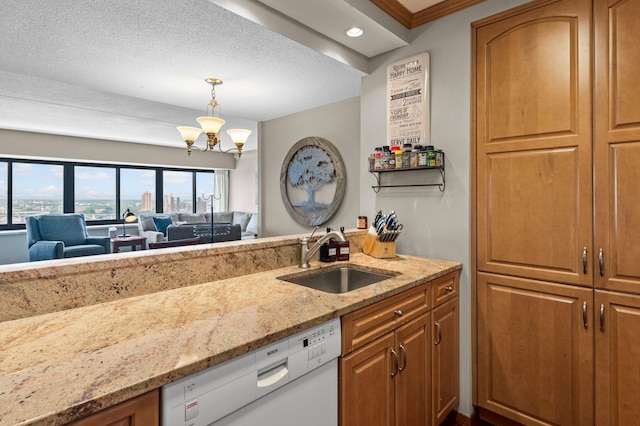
(328,250)
(342,247)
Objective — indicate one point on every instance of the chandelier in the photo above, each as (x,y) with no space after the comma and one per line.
(211,125)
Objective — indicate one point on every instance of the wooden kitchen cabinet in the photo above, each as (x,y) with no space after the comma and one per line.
(387,377)
(533,142)
(617,367)
(445,360)
(556,149)
(617,145)
(534,353)
(143,410)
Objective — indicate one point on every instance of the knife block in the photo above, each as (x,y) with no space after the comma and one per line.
(378,249)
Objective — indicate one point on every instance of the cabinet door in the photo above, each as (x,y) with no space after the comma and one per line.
(366,385)
(617,144)
(412,383)
(617,352)
(445,360)
(533,142)
(535,350)
(141,411)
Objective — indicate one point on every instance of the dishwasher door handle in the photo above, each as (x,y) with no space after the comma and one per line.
(271,375)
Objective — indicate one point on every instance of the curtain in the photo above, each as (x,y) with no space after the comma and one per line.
(221,186)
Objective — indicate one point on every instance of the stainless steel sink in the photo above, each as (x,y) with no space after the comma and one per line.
(337,280)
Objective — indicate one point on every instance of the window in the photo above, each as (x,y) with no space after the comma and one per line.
(204,191)
(36,189)
(4,192)
(137,191)
(100,191)
(177,192)
(95,192)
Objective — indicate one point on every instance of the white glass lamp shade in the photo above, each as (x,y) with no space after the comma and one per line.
(189,133)
(210,124)
(239,135)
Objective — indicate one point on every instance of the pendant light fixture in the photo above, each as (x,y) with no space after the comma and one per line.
(211,126)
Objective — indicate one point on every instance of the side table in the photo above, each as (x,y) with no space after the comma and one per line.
(132,241)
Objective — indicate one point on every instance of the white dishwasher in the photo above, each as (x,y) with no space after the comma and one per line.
(288,383)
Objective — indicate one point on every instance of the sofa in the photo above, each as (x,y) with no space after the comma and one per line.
(228,226)
(59,236)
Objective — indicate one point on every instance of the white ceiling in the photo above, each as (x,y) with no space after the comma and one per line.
(133,70)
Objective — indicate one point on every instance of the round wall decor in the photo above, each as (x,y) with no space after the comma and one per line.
(312,181)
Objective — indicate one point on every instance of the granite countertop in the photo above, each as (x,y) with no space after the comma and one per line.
(63,366)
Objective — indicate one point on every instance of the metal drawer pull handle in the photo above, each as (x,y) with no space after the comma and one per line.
(398,313)
(395,363)
(404,357)
(584,260)
(584,314)
(436,343)
(602,317)
(449,288)
(601,262)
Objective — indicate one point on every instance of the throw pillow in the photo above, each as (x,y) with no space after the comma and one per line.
(223,217)
(252,226)
(146,223)
(193,218)
(162,223)
(242,219)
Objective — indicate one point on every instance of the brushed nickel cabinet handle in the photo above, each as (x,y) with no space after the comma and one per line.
(584,260)
(398,312)
(404,357)
(584,314)
(436,343)
(395,363)
(602,317)
(601,261)
(449,288)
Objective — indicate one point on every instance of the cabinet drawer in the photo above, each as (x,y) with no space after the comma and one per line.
(366,324)
(445,288)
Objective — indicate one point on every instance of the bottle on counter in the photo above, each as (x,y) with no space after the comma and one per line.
(342,252)
(328,250)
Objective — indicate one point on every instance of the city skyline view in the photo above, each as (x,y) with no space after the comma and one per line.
(39,189)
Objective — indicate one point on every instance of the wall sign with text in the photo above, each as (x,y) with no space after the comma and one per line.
(408,101)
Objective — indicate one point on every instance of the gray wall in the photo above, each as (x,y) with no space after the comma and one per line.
(339,123)
(438,223)
(243,183)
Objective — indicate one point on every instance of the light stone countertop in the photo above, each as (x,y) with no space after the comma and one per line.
(65,365)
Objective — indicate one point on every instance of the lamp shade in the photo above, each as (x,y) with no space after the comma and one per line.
(210,124)
(189,133)
(128,216)
(239,135)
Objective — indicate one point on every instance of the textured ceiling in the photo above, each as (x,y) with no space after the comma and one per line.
(133,70)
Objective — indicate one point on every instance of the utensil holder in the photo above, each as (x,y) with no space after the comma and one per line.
(378,249)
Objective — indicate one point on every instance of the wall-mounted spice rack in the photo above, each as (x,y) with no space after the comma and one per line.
(377,173)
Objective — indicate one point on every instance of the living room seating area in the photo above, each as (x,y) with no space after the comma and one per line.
(58,236)
(228,226)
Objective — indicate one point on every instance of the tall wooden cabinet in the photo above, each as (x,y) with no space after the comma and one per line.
(556,215)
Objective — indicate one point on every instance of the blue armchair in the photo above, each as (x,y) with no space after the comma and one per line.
(57,236)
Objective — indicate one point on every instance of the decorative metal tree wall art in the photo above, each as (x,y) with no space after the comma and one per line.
(312,181)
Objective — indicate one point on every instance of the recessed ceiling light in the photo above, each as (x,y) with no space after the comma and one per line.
(354,32)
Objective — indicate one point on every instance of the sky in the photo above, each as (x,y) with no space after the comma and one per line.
(45,181)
